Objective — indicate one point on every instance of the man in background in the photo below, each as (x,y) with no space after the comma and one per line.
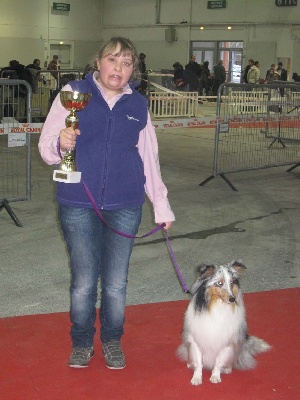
(194,66)
(281,71)
(249,65)
(282,75)
(35,69)
(142,88)
(54,87)
(193,74)
(219,76)
(54,66)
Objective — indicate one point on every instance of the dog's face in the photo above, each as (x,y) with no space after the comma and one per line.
(217,284)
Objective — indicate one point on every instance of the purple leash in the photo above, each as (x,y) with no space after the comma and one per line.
(156,229)
(127,235)
(184,287)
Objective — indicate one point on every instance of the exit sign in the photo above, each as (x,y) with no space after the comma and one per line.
(61,7)
(285,3)
(216,4)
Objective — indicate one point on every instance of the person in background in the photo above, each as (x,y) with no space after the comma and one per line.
(219,76)
(35,65)
(35,69)
(204,79)
(248,66)
(117,154)
(16,70)
(53,67)
(282,75)
(254,73)
(271,68)
(193,74)
(179,78)
(142,63)
(194,66)
(296,77)
(272,76)
(142,86)
(281,71)
(12,70)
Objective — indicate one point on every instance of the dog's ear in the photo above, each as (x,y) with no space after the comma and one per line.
(237,266)
(204,271)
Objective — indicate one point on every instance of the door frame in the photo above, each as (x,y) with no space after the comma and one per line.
(47,50)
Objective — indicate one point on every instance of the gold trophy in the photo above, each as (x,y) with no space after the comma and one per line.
(72,101)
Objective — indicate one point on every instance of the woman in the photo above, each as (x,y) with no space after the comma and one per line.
(117,154)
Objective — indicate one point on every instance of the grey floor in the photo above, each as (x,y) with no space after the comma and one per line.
(259,225)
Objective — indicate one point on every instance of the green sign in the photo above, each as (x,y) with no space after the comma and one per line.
(216,4)
(285,3)
(61,7)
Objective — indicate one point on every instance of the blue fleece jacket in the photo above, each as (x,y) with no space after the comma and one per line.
(106,151)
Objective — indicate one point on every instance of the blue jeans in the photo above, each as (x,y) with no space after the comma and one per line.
(97,252)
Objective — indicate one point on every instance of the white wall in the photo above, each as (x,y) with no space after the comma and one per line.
(26,27)
(255,22)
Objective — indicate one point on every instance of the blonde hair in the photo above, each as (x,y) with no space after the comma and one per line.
(126,48)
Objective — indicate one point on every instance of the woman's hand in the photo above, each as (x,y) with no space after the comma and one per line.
(67,138)
(167,225)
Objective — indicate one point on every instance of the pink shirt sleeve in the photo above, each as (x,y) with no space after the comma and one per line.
(154,187)
(50,132)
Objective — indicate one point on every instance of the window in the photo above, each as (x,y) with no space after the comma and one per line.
(230,52)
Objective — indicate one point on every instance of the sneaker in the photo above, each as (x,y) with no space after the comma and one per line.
(113,354)
(81,356)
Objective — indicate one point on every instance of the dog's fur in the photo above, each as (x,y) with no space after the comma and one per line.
(215,330)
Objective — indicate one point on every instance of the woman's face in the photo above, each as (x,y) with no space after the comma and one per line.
(114,71)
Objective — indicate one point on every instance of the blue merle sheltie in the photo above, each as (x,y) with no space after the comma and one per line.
(215,329)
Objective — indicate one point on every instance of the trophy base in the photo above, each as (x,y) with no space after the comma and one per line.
(67,177)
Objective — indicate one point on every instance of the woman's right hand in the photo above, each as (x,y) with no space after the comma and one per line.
(67,138)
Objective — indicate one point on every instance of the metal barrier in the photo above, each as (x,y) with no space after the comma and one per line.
(258,126)
(63,76)
(15,151)
(47,89)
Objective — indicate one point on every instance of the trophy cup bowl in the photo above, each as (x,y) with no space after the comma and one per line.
(72,101)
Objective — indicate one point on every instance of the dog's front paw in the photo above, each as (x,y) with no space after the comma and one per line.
(215,379)
(196,379)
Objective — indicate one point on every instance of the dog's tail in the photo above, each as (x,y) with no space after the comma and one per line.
(252,346)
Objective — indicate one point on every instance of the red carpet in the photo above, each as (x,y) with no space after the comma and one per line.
(35,350)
